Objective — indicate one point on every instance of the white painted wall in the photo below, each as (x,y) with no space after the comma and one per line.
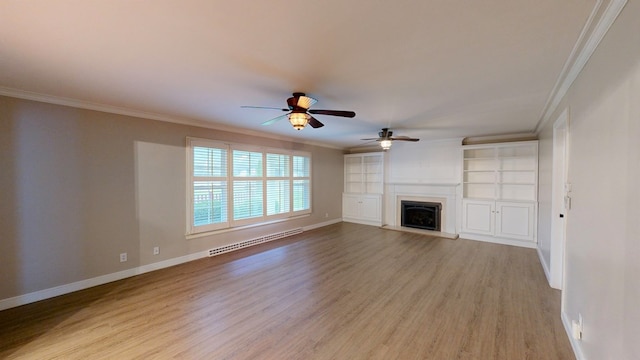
(545,172)
(602,264)
(434,162)
(426,169)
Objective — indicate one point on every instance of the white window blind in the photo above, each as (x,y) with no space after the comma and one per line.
(237,185)
(209,202)
(278,184)
(209,162)
(247,199)
(278,165)
(301,183)
(247,163)
(247,185)
(208,188)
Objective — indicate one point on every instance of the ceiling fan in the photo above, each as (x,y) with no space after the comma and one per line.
(299,113)
(386,138)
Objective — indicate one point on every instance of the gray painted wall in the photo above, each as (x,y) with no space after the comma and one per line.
(79,187)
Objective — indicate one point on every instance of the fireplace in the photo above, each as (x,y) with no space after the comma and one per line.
(421,215)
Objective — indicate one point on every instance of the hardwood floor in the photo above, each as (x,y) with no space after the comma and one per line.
(345,291)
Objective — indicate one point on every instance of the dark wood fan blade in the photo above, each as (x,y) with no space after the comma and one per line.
(371,139)
(342,113)
(275,119)
(403,138)
(292,102)
(314,123)
(262,107)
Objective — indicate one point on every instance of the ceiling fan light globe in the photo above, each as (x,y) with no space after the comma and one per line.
(385,144)
(298,120)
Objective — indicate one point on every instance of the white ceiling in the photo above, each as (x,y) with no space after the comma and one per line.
(432,68)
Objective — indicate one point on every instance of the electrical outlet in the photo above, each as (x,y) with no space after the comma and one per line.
(577,328)
(580,323)
(156,250)
(123,257)
(326,215)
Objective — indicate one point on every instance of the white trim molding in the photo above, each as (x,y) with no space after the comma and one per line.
(86,105)
(99,280)
(596,27)
(575,345)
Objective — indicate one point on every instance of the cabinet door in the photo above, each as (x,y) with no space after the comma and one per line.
(515,220)
(478,216)
(350,206)
(370,208)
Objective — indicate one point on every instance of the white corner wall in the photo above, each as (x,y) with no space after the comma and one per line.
(602,255)
(545,177)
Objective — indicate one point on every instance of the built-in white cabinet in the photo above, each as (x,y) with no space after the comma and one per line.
(363,188)
(362,208)
(500,183)
(504,219)
(478,216)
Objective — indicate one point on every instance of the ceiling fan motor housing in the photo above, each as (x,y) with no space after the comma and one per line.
(385,133)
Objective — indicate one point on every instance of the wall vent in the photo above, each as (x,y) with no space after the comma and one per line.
(255,241)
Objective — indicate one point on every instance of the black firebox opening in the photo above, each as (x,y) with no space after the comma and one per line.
(421,215)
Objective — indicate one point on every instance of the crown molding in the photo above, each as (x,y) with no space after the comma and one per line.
(596,27)
(492,139)
(86,105)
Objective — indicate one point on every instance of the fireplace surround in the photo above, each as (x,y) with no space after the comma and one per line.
(445,194)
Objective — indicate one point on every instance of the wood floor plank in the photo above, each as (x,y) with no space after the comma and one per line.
(344,291)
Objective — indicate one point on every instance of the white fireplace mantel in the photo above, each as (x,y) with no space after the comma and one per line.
(445,193)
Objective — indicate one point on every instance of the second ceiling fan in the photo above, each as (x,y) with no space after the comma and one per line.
(386,138)
(300,113)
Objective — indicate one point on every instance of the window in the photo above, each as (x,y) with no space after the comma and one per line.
(233,185)
(209,191)
(301,183)
(278,184)
(247,185)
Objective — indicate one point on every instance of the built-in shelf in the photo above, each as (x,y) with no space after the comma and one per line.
(363,173)
(501,171)
(500,191)
(363,188)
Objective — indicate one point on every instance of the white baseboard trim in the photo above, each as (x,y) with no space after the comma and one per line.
(362,222)
(545,266)
(104,279)
(322,224)
(575,345)
(496,240)
(99,280)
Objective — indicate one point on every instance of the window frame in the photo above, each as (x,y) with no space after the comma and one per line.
(191,143)
(231,223)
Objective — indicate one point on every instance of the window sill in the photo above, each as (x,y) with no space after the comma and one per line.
(222,231)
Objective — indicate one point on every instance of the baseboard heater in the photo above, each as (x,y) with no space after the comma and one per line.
(255,241)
